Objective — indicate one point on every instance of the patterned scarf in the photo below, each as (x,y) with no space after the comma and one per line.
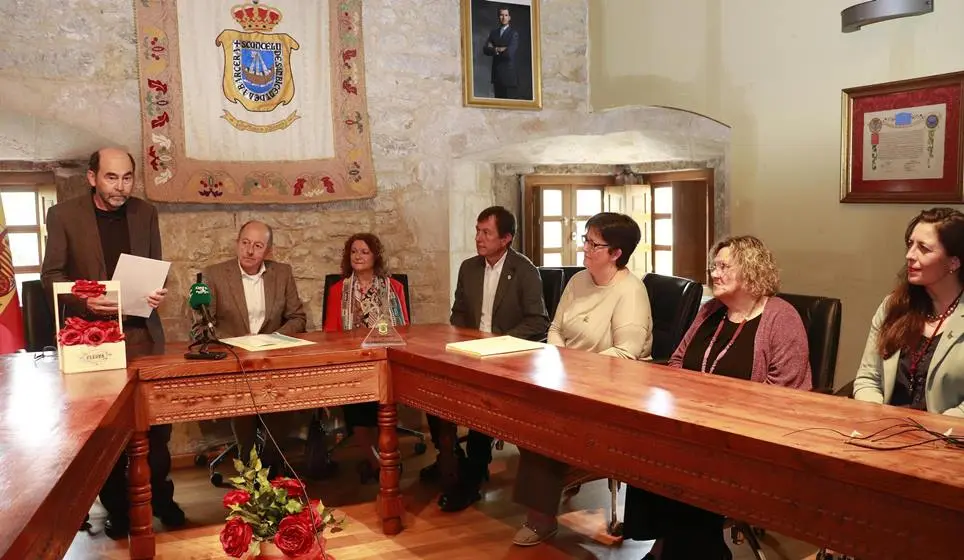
(363,310)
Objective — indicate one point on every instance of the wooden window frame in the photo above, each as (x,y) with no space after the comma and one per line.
(33,182)
(532,204)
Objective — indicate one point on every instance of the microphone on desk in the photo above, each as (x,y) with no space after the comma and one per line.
(202,332)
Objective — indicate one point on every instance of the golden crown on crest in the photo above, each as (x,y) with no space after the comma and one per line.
(256,17)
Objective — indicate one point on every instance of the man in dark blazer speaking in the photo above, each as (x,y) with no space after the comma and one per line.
(85,238)
(498,291)
(502,44)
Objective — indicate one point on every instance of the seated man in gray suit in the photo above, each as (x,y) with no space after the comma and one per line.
(498,291)
(252,295)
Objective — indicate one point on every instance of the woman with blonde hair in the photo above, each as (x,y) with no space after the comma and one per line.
(744,332)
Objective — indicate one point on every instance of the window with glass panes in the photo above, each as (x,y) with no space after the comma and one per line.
(559,207)
(25,196)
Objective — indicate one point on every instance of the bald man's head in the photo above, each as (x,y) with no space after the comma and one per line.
(254,245)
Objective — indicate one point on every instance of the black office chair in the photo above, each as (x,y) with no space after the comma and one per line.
(568,272)
(553,281)
(332,279)
(38,319)
(674,303)
(821,320)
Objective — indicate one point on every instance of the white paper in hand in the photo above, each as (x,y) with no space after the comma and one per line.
(139,277)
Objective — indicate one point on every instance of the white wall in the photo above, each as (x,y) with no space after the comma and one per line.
(774,71)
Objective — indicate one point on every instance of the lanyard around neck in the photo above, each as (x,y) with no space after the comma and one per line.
(719,329)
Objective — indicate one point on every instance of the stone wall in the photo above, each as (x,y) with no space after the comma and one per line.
(68,86)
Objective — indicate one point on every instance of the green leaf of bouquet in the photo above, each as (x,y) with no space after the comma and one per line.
(237,481)
(253,455)
(293,506)
(238,466)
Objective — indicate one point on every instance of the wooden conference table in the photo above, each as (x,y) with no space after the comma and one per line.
(722,444)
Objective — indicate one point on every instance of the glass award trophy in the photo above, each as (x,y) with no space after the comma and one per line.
(383,333)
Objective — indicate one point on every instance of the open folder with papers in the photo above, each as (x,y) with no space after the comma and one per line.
(495,346)
(258,342)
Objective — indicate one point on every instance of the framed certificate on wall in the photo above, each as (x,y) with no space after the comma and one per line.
(901,141)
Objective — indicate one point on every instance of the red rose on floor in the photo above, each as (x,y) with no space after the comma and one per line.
(88,289)
(236,537)
(294,536)
(236,498)
(293,487)
(94,336)
(70,337)
(312,515)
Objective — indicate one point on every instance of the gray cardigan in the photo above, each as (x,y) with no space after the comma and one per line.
(945,376)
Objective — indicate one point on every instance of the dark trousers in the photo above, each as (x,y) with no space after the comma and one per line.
(687,531)
(113,495)
(114,492)
(506,92)
(245,428)
(478,451)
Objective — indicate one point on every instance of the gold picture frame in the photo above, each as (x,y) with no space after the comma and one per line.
(903,142)
(493,58)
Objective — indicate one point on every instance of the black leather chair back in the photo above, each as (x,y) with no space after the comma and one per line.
(821,319)
(568,272)
(553,280)
(674,302)
(38,320)
(332,279)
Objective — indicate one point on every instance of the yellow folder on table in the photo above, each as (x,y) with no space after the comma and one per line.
(494,346)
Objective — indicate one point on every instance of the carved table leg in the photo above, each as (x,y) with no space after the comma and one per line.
(139,492)
(389,497)
(447,461)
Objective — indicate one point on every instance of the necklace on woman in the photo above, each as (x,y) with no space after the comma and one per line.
(726,348)
(931,317)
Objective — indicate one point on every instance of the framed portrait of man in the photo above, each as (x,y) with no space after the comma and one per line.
(501,62)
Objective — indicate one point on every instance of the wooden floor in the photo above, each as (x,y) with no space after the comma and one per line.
(482,532)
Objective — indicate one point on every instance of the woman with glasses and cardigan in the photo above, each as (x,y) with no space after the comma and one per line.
(744,332)
(604,309)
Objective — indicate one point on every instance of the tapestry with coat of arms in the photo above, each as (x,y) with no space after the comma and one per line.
(253,102)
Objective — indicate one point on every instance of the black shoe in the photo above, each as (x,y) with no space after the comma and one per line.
(171,515)
(458,500)
(117,528)
(433,472)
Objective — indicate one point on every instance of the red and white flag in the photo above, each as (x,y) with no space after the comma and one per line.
(11,321)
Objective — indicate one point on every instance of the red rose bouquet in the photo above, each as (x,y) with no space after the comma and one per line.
(276,512)
(92,333)
(85,289)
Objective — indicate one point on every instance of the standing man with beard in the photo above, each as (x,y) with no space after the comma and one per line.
(85,238)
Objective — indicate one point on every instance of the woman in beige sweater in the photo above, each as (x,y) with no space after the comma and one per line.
(604,309)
